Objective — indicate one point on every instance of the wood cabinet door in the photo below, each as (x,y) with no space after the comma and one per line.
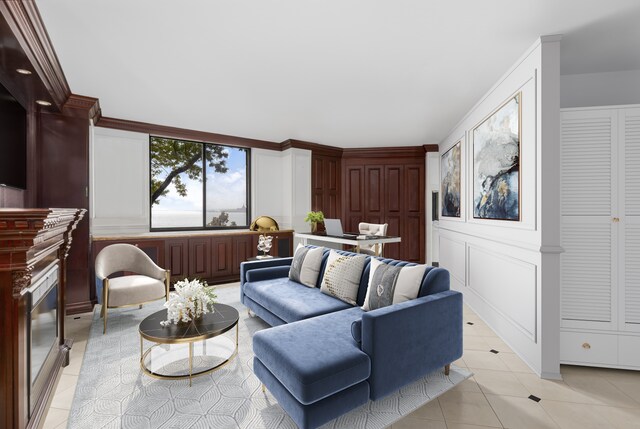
(200,258)
(244,247)
(221,257)
(177,257)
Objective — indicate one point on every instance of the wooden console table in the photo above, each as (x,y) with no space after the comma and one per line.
(34,245)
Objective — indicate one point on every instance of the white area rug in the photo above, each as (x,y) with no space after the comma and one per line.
(112,392)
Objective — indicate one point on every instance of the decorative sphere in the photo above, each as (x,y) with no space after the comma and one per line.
(264,224)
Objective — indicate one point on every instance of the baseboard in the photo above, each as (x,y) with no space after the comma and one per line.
(79,307)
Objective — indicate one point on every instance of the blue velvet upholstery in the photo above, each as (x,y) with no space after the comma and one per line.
(263,263)
(316,414)
(269,273)
(314,358)
(291,301)
(263,313)
(324,357)
(409,340)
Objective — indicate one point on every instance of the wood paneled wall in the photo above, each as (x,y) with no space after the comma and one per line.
(326,185)
(384,185)
(388,190)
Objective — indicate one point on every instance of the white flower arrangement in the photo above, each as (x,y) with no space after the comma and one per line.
(190,300)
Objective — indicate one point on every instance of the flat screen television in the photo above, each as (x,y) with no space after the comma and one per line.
(13,141)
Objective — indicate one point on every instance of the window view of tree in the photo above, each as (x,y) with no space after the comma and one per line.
(197,185)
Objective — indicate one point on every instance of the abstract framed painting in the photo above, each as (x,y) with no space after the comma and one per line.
(496,163)
(450,189)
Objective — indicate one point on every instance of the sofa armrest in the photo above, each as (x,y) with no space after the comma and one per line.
(409,340)
(269,273)
(245,267)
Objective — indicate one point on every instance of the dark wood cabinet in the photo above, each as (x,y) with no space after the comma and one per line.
(222,257)
(212,257)
(177,258)
(243,249)
(326,185)
(200,258)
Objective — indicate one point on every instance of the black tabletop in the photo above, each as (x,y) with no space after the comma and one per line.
(209,325)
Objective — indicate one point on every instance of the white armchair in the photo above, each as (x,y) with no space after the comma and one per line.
(149,284)
(372,229)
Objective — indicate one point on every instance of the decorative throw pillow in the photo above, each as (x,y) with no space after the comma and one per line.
(305,266)
(389,284)
(342,276)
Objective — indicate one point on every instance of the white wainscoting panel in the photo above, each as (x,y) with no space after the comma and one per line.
(507,284)
(452,257)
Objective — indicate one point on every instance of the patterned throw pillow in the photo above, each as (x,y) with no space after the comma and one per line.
(305,266)
(389,284)
(342,276)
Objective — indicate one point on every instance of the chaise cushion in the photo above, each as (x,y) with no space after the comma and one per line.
(314,358)
(290,301)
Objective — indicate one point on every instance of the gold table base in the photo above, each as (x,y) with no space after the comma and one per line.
(144,354)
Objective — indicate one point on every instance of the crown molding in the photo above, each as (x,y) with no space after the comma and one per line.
(183,133)
(82,106)
(315,148)
(26,23)
(385,152)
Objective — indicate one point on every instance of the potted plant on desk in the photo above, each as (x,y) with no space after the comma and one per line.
(314,218)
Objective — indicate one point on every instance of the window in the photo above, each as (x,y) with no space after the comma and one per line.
(198,185)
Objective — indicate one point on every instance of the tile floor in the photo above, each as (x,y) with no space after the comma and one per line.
(497,396)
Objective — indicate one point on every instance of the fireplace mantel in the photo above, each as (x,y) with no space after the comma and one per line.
(31,241)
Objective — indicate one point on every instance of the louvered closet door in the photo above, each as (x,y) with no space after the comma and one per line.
(588,205)
(630,219)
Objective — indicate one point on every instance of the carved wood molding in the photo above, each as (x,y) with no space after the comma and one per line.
(21,279)
(82,106)
(26,23)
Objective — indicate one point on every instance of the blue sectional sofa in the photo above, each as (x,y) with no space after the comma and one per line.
(324,357)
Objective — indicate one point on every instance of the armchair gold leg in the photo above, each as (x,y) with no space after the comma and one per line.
(447,368)
(264,388)
(140,307)
(105,305)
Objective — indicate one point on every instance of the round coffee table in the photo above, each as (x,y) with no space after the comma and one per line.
(221,320)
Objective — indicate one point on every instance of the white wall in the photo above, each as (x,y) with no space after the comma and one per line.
(119,169)
(508,271)
(600,89)
(432,161)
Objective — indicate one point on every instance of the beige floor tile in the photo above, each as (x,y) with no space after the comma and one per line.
(471,342)
(630,387)
(468,407)
(500,383)
(451,425)
(484,360)
(583,416)
(514,363)
(460,363)
(55,417)
(75,362)
(520,413)
(497,344)
(469,385)
(430,411)
(63,398)
(553,389)
(600,389)
(480,330)
(66,381)
(412,423)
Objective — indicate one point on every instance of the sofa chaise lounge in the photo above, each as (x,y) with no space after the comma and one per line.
(324,357)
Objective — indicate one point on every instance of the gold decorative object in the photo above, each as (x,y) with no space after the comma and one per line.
(264,224)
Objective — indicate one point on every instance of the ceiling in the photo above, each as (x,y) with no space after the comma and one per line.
(344,73)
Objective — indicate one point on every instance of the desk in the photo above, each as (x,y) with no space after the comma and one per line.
(358,241)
